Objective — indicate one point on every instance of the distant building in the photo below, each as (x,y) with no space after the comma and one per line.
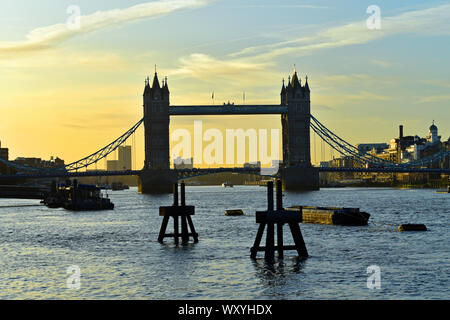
(180,163)
(423,147)
(113,165)
(124,157)
(4,153)
(253,165)
(371,147)
(32,162)
(39,163)
(433,134)
(344,162)
(324,164)
(277,163)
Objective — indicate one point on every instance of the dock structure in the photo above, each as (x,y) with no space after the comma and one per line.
(278,217)
(331,215)
(177,212)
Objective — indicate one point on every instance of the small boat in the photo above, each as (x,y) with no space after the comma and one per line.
(227,184)
(78,197)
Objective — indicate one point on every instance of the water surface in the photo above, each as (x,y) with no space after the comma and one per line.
(120,258)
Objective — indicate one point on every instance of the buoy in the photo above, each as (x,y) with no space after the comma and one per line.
(234,212)
(412,227)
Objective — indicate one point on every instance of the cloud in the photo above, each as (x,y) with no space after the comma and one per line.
(436,98)
(280,6)
(257,61)
(381,63)
(426,21)
(206,67)
(366,96)
(50,36)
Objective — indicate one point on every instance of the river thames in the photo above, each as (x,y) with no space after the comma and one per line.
(119,257)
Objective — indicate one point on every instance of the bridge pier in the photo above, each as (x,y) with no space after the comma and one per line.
(300,179)
(156,181)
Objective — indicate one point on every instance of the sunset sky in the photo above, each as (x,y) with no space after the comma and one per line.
(68,93)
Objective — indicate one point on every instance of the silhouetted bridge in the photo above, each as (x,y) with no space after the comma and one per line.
(189,173)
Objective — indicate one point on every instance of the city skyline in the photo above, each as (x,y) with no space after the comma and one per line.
(86,88)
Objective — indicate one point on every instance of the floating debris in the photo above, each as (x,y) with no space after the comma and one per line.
(412,227)
(234,212)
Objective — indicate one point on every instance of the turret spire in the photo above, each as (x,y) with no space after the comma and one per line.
(155,82)
(306,84)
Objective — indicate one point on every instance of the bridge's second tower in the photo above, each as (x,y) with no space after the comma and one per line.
(156,122)
(297,172)
(156,176)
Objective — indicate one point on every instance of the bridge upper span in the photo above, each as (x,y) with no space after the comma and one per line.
(227,110)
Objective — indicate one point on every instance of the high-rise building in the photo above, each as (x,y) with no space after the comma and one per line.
(5,156)
(4,152)
(113,165)
(124,157)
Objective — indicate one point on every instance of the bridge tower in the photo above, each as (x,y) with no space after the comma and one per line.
(297,171)
(156,176)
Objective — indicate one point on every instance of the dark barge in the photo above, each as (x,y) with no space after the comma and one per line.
(77,197)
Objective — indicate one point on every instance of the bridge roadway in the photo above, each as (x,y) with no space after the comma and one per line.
(100,173)
(386,170)
(226,110)
(197,172)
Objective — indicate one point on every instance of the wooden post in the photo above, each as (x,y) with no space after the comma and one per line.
(279,192)
(269,253)
(175,229)
(162,231)
(183,194)
(191,225)
(270,217)
(175,194)
(298,240)
(279,195)
(259,235)
(177,212)
(270,196)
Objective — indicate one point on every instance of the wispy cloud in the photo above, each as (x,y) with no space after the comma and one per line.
(426,21)
(202,66)
(49,36)
(280,6)
(381,63)
(257,60)
(436,98)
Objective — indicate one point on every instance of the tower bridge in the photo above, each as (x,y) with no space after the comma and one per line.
(295,111)
(297,172)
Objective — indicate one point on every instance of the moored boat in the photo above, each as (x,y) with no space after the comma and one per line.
(78,197)
(227,184)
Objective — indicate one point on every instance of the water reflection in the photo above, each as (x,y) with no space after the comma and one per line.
(278,269)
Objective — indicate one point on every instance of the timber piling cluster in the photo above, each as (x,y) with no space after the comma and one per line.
(278,217)
(177,212)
